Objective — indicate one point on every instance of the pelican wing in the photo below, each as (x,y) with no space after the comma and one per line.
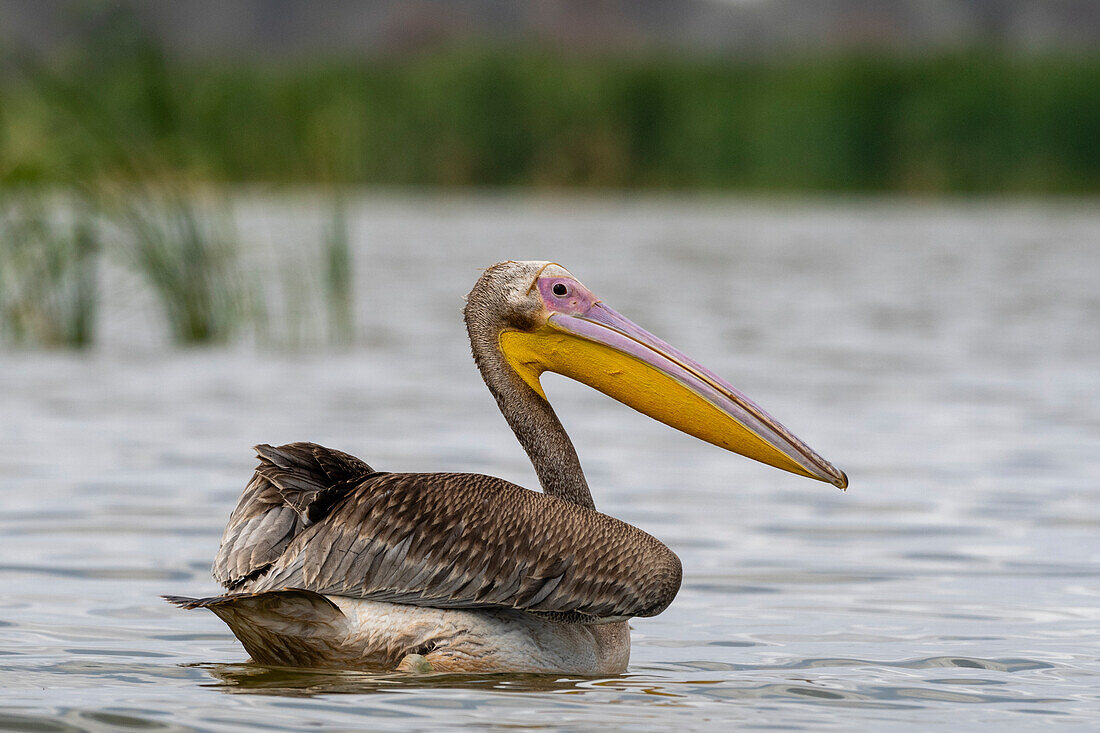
(448,540)
(293,486)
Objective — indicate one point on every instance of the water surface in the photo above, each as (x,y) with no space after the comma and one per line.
(946,357)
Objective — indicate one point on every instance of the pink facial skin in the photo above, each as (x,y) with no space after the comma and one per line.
(565,295)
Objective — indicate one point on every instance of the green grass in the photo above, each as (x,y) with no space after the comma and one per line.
(967,122)
(185,250)
(339,283)
(189,255)
(115,113)
(48,272)
(309,290)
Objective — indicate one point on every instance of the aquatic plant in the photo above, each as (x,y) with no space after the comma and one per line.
(973,120)
(339,291)
(188,254)
(185,250)
(48,271)
(285,317)
(309,289)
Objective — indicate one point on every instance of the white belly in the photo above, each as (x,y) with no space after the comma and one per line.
(373,635)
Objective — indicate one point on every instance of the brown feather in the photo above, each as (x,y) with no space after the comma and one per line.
(447,540)
(294,485)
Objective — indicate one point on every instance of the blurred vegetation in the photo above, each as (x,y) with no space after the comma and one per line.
(120,133)
(116,106)
(188,256)
(309,292)
(184,249)
(338,282)
(48,264)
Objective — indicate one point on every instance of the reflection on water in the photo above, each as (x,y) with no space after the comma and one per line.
(289,681)
(258,679)
(945,357)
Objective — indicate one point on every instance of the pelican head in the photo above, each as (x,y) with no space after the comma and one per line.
(544,319)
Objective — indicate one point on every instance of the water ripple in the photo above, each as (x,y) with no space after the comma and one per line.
(945,356)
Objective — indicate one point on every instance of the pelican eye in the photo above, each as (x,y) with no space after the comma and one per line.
(560,289)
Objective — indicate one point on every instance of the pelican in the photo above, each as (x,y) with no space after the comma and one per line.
(329,563)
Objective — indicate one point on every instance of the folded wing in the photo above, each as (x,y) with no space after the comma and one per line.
(442,540)
(293,486)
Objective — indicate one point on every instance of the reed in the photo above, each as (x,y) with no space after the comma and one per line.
(309,290)
(977,120)
(188,255)
(48,271)
(339,276)
(285,317)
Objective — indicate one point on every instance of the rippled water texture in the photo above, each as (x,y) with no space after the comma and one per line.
(947,357)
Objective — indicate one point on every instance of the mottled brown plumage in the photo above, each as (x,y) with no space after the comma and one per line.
(442,540)
(292,487)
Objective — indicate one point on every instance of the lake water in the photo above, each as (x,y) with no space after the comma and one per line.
(947,357)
